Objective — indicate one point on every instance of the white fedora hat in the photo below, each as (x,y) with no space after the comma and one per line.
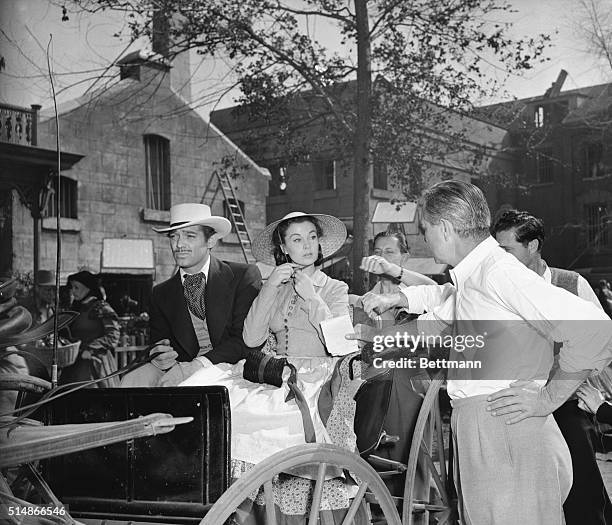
(334,235)
(191,214)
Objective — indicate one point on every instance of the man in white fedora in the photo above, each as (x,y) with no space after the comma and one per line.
(198,314)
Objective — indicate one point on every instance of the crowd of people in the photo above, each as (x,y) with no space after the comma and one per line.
(521,434)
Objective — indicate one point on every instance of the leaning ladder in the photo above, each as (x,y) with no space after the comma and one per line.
(221,181)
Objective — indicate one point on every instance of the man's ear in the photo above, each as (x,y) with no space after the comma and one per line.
(212,240)
(532,246)
(447,229)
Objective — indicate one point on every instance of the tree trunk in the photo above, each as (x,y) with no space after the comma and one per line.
(363,170)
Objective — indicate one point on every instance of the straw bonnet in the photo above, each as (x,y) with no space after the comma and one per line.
(191,214)
(334,235)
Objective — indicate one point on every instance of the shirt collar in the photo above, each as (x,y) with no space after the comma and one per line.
(547,275)
(204,270)
(318,278)
(470,262)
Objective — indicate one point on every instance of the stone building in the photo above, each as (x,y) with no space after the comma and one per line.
(144,149)
(561,146)
(324,182)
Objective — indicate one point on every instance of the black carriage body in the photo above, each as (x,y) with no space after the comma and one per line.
(169,478)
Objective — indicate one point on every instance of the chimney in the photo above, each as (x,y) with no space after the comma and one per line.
(143,65)
(555,88)
(161,40)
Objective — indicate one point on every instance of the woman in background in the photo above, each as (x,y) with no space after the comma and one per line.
(97,327)
(389,263)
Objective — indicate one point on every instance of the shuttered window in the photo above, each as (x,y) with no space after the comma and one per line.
(157,166)
(68,199)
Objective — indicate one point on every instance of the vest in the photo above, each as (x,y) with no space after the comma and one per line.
(565,279)
(202,335)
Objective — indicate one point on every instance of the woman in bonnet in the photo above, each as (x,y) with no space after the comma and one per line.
(97,327)
(286,316)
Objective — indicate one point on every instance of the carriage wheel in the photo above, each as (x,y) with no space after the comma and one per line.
(429,489)
(324,456)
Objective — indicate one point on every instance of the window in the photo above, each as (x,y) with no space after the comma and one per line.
(544,166)
(598,222)
(591,160)
(231,206)
(157,166)
(325,174)
(380,176)
(278,180)
(538,117)
(68,199)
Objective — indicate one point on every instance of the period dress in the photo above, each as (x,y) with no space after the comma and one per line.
(263,423)
(97,327)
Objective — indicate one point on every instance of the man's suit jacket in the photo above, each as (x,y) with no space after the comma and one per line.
(230,289)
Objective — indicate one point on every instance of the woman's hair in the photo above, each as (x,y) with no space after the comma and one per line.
(278,237)
(397,235)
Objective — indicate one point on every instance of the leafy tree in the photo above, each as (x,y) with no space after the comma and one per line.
(411,51)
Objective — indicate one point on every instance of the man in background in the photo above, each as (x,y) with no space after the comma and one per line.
(522,235)
(513,463)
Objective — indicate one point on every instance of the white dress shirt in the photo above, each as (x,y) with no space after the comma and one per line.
(204,269)
(491,284)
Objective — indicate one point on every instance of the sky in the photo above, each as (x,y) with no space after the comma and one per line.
(83,48)
(569,52)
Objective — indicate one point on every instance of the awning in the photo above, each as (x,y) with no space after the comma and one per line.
(424,265)
(127,256)
(29,165)
(394,212)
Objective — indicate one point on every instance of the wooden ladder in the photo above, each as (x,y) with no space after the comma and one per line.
(221,181)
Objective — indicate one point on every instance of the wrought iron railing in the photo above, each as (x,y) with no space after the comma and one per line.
(19,125)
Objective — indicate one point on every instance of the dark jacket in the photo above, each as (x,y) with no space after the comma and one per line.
(230,289)
(604,413)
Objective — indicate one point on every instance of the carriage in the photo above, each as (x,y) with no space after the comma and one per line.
(402,471)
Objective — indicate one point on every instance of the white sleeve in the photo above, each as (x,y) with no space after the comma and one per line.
(584,330)
(205,362)
(586,292)
(425,298)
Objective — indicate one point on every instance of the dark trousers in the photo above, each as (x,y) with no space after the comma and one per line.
(588,502)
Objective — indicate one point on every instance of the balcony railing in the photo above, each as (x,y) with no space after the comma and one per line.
(19,125)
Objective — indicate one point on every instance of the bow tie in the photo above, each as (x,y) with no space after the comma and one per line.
(194,280)
(193,288)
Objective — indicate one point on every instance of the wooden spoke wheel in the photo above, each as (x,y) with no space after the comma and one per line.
(429,489)
(325,456)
